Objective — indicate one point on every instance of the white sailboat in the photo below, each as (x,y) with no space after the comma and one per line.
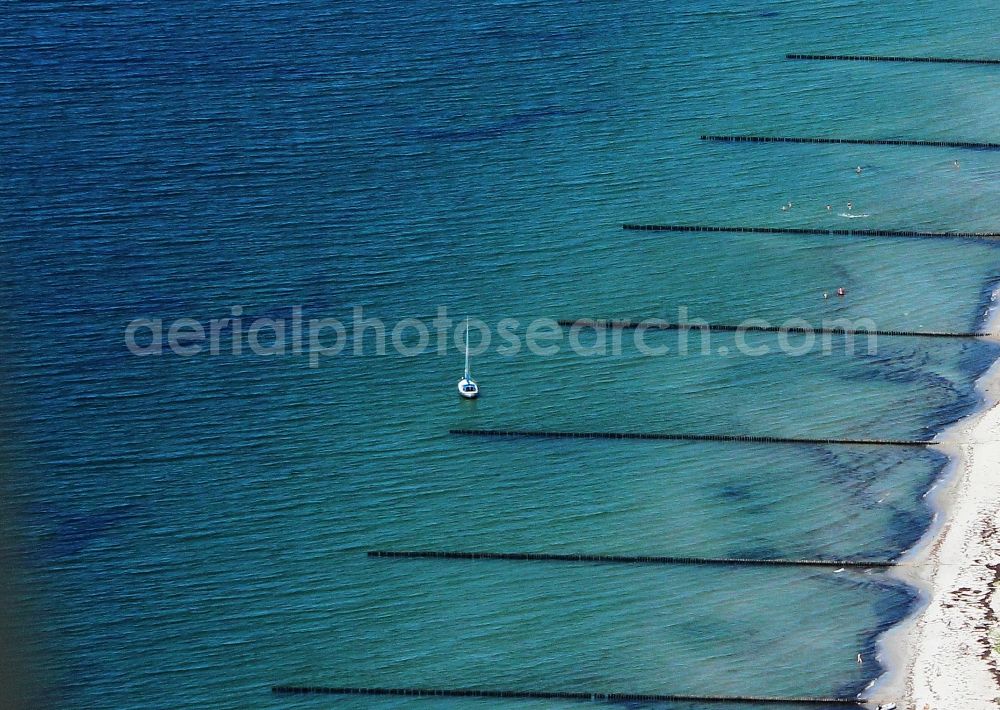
(467,387)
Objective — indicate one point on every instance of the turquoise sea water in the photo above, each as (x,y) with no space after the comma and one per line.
(195,528)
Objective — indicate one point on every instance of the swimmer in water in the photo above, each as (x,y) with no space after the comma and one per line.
(850,206)
(858,170)
(957,166)
(841,291)
(829,207)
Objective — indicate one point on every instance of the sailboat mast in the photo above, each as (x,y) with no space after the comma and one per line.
(466,347)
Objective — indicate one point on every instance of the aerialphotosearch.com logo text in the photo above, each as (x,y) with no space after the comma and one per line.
(319,338)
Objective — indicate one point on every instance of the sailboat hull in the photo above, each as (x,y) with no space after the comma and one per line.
(467,388)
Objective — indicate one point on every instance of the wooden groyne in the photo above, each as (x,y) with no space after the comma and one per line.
(854,141)
(627,559)
(881,58)
(929,234)
(591,696)
(657,324)
(685,437)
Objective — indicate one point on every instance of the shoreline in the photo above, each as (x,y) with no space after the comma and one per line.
(942,655)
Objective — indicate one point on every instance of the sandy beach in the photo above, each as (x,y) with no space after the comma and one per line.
(945,657)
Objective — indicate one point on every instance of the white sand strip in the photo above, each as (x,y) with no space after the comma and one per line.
(944,657)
